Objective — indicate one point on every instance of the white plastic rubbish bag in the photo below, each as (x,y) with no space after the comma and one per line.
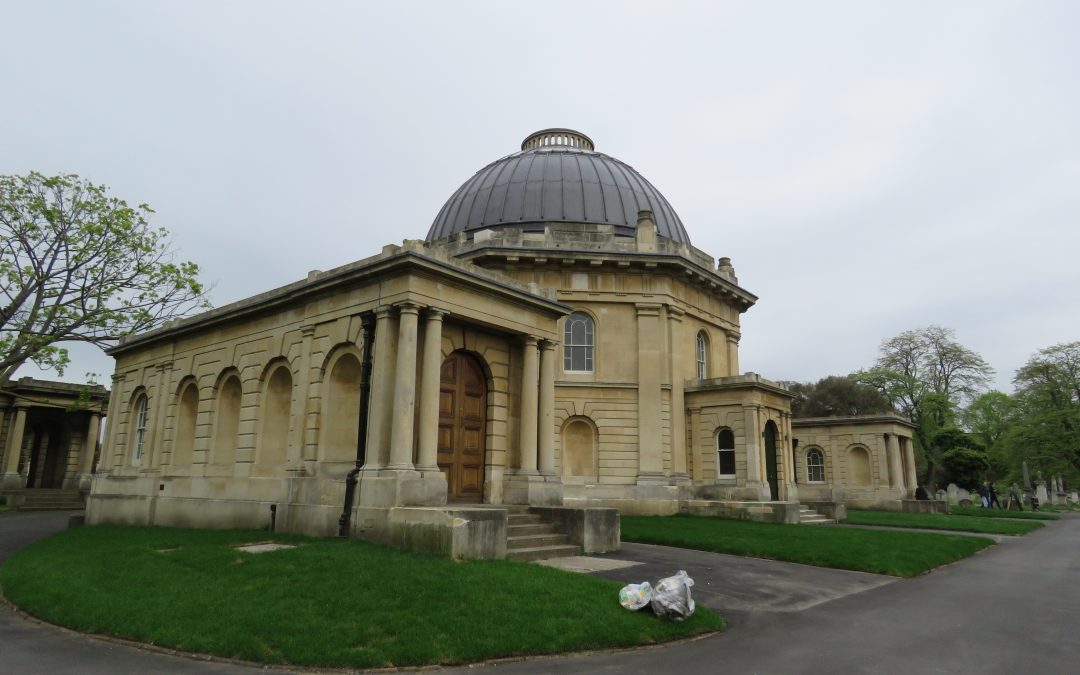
(671,599)
(635,596)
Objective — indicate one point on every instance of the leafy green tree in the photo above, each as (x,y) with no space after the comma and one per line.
(963,458)
(989,418)
(1046,426)
(79,265)
(927,375)
(836,395)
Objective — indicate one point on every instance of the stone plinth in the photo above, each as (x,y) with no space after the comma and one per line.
(924,506)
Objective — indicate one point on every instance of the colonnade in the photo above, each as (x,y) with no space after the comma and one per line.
(11,479)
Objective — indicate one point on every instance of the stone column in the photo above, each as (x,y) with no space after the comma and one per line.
(733,353)
(911,477)
(530,376)
(86,461)
(381,409)
(788,452)
(401,429)
(650,450)
(11,480)
(676,352)
(892,446)
(696,472)
(546,421)
(752,433)
(428,459)
(112,420)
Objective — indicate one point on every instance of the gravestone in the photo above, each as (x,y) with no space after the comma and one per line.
(1015,502)
(1027,476)
(1040,492)
(963,495)
(941,495)
(953,493)
(965,502)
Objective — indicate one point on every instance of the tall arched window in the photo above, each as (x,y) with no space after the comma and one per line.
(702,349)
(142,418)
(578,343)
(725,453)
(815,466)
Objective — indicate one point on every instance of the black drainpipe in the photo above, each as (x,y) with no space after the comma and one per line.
(367,320)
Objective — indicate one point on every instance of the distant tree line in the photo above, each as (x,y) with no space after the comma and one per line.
(964,433)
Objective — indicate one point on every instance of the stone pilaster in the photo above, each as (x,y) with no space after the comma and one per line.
(733,353)
(86,460)
(428,455)
(11,479)
(650,457)
(791,489)
(696,472)
(401,430)
(299,449)
(158,416)
(112,421)
(546,419)
(754,459)
(676,352)
(530,390)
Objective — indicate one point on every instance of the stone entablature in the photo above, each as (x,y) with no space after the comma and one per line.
(865,460)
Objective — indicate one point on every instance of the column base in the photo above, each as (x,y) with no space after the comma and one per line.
(681,480)
(533,488)
(652,478)
(402,488)
(12,481)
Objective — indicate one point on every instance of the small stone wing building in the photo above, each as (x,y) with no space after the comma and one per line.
(48,436)
(555,342)
(866,461)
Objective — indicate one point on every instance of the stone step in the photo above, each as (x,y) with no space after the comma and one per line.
(52,507)
(513,519)
(515,542)
(529,528)
(543,552)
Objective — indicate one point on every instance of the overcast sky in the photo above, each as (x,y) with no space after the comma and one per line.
(870,167)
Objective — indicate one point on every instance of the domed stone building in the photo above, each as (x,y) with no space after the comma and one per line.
(555,342)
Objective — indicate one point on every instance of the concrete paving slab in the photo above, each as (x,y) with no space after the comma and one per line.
(731,582)
(585,564)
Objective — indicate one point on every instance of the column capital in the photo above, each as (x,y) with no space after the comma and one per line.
(530,340)
(733,337)
(435,314)
(117,377)
(383,312)
(547,345)
(163,366)
(307,331)
(408,307)
(674,313)
(20,404)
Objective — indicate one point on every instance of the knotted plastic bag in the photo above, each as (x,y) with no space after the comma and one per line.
(635,596)
(671,598)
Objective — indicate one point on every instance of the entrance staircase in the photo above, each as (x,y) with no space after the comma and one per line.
(46,499)
(808,516)
(531,537)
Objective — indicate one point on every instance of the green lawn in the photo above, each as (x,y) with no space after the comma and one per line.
(998,513)
(338,603)
(937,521)
(902,554)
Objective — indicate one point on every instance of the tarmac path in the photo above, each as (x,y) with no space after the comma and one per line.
(1012,608)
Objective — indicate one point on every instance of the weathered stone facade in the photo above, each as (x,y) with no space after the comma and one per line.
(536,361)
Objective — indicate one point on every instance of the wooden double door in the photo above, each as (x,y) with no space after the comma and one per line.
(462,427)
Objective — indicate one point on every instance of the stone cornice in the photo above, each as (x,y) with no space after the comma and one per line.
(841,420)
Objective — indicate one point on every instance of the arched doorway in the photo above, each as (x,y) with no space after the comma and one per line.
(770,460)
(462,427)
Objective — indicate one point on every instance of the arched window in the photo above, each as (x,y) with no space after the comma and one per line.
(702,349)
(277,401)
(142,418)
(725,453)
(578,343)
(228,421)
(815,466)
(186,416)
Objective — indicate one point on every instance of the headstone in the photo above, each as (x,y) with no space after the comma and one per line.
(963,495)
(1015,502)
(953,493)
(965,502)
(1027,476)
(1040,492)
(1074,496)
(941,495)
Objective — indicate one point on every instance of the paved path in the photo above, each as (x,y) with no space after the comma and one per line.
(1012,608)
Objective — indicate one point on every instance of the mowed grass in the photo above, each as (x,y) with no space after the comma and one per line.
(937,521)
(997,513)
(337,603)
(902,554)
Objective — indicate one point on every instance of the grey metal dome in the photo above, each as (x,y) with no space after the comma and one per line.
(557,177)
